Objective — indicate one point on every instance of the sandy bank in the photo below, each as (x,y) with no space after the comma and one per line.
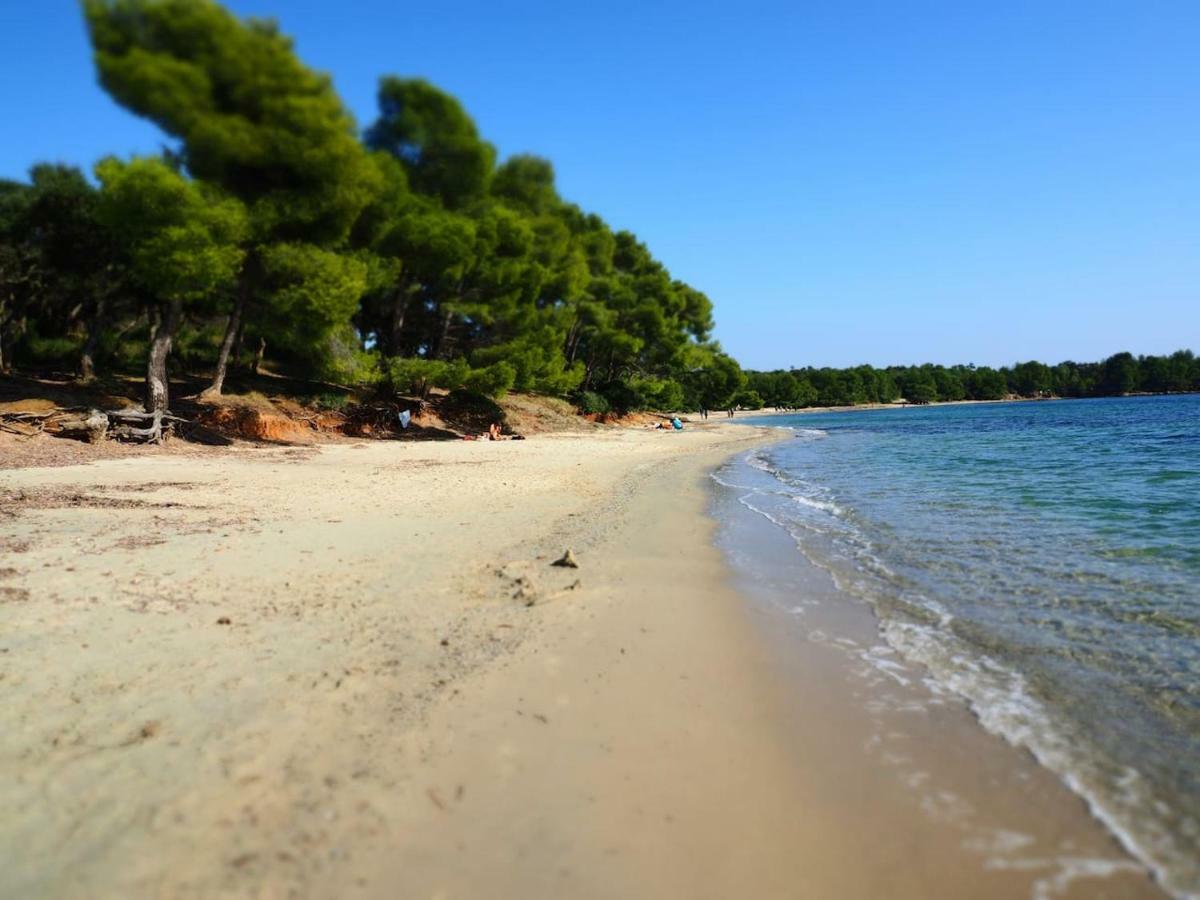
(319,673)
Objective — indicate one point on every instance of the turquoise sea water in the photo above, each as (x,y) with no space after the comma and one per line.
(1043,561)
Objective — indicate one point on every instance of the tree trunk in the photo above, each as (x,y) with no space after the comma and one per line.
(259,353)
(573,336)
(400,301)
(231,332)
(157,392)
(440,348)
(4,317)
(87,357)
(237,341)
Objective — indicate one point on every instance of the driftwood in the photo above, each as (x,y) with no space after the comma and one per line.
(92,425)
(91,428)
(23,424)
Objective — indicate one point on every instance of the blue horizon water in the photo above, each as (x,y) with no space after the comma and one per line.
(1041,560)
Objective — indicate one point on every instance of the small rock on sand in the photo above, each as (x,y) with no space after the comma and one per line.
(567,561)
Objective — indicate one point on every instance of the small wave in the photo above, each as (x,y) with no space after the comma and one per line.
(810,433)
(798,531)
(1168,475)
(744,500)
(716,476)
(823,505)
(757,461)
(1003,704)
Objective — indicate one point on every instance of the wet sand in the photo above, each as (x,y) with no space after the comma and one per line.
(353,672)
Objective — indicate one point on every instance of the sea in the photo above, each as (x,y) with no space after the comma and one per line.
(1038,560)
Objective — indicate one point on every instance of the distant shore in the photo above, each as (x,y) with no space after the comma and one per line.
(765,411)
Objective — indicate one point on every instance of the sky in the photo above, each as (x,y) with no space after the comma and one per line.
(966,181)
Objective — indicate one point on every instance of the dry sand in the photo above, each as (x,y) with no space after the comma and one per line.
(353,672)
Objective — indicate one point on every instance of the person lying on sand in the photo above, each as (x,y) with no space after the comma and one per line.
(493,433)
(674,425)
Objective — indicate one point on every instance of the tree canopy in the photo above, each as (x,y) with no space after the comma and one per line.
(407,256)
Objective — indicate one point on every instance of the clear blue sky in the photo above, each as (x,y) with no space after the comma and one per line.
(887,182)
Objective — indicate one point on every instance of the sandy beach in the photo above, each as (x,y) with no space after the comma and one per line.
(353,671)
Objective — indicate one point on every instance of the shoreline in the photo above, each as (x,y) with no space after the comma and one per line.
(810,410)
(319,672)
(992,798)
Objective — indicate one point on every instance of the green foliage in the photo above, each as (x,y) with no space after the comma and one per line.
(592,403)
(526,182)
(748,400)
(1119,374)
(985,384)
(314,293)
(664,394)
(432,135)
(313,289)
(710,378)
(257,125)
(418,376)
(537,362)
(56,351)
(621,397)
(183,239)
(343,359)
(1031,379)
(332,401)
(251,117)
(495,380)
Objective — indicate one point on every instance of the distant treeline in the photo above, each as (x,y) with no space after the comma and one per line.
(273,232)
(1122,373)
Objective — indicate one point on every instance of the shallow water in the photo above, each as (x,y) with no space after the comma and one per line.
(1042,560)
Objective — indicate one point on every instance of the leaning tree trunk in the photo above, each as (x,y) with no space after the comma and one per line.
(232,328)
(259,354)
(156,367)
